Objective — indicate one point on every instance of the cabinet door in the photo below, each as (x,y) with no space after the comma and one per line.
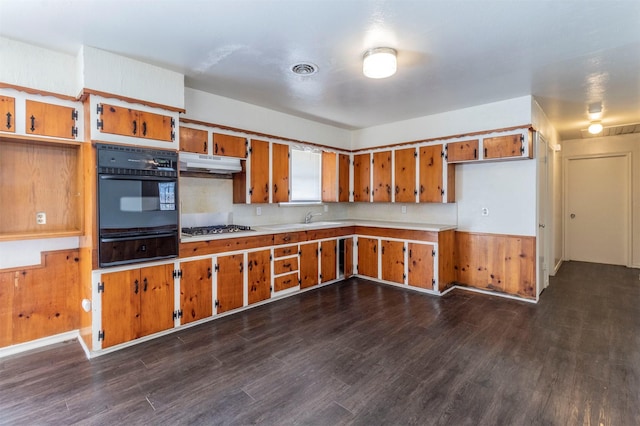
(259,181)
(361,177)
(343,178)
(405,175)
(308,265)
(462,151)
(382,176)
(229,146)
(120,306)
(431,186)
(420,265)
(50,120)
(156,299)
(329,176)
(259,275)
(348,257)
(328,260)
(195,290)
(230,282)
(7,114)
(280,172)
(392,253)
(368,257)
(503,146)
(194,140)
(119,120)
(156,126)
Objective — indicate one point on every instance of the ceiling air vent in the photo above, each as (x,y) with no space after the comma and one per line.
(624,129)
(304,68)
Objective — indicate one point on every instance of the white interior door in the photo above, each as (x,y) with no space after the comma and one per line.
(597,214)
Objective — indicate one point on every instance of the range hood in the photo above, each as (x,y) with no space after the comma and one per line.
(202,163)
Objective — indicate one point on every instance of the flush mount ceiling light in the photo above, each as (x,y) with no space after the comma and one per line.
(595,127)
(379,62)
(304,68)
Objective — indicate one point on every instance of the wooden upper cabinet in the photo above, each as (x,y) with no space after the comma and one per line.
(462,151)
(196,290)
(405,175)
(280,172)
(503,146)
(382,176)
(259,275)
(130,122)
(45,119)
(194,140)
(229,146)
(392,254)
(368,257)
(431,178)
(7,114)
(259,180)
(361,177)
(329,176)
(343,178)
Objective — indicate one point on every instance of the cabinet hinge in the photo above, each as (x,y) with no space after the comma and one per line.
(320,276)
(250,151)
(99,124)
(177,314)
(270,257)
(177,273)
(271,289)
(173,122)
(74,132)
(217,303)
(433,253)
(299,281)
(173,136)
(100,287)
(320,249)
(217,269)
(74,115)
(442,192)
(404,277)
(433,281)
(250,191)
(300,253)
(99,109)
(442,154)
(100,335)
(415,154)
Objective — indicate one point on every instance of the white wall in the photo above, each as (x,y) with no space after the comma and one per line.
(38,68)
(616,144)
(215,109)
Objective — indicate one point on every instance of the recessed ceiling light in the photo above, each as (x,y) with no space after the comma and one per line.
(304,68)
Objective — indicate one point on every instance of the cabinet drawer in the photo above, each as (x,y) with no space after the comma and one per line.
(286,281)
(286,238)
(285,265)
(285,251)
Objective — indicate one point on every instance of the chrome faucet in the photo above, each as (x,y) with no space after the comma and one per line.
(309,215)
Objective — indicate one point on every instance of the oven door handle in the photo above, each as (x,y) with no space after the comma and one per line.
(135,177)
(137,237)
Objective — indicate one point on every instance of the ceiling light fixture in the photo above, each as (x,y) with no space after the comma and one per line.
(595,127)
(379,62)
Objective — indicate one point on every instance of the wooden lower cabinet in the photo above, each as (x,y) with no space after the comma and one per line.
(308,265)
(136,303)
(259,275)
(348,257)
(392,256)
(328,260)
(421,265)
(230,278)
(196,301)
(368,257)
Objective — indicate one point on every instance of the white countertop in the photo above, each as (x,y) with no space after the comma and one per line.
(296,227)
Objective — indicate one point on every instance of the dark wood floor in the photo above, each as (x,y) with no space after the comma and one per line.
(363,353)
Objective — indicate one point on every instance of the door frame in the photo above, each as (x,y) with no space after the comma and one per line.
(565,198)
(543,225)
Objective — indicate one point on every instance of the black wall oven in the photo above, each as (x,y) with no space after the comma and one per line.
(137,211)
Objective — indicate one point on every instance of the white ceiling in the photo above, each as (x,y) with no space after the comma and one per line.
(451,54)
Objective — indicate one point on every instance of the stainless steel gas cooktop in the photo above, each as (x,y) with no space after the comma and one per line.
(214,229)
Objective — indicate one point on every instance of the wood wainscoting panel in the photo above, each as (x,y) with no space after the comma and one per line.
(40,301)
(500,263)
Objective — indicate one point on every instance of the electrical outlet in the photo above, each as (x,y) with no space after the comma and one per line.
(258,211)
(485,211)
(41,218)
(326,208)
(404,209)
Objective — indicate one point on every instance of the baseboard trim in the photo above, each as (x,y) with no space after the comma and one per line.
(556,268)
(493,293)
(39,343)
